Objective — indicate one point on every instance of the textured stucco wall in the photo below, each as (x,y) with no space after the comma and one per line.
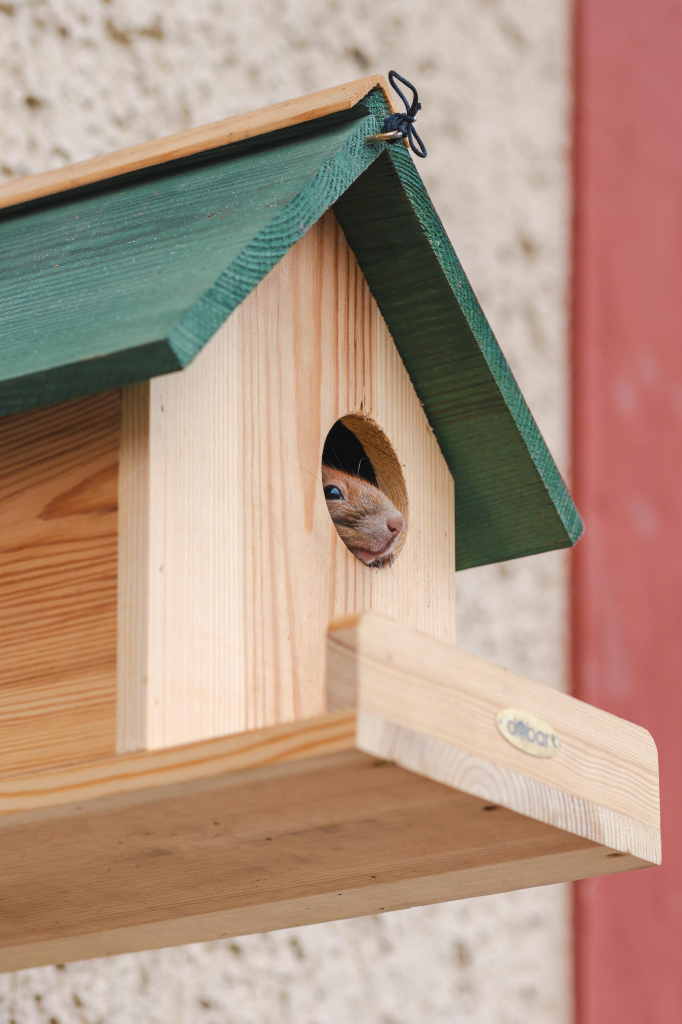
(81,77)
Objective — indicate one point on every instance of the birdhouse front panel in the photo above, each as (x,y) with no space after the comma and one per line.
(243,570)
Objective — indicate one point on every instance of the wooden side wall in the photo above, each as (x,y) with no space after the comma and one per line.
(58,541)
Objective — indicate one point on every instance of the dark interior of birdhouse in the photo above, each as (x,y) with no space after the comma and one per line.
(344,450)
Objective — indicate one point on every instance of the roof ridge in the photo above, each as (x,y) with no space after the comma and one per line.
(193,140)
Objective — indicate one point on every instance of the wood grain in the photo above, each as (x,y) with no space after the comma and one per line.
(58,540)
(432,708)
(502,787)
(194,140)
(284,826)
(133,567)
(312,908)
(144,775)
(246,568)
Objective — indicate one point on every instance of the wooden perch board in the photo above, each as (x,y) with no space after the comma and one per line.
(314,820)
(433,708)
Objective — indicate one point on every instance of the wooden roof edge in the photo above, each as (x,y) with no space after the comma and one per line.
(193,140)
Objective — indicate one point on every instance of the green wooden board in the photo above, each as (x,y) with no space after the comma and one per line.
(121,282)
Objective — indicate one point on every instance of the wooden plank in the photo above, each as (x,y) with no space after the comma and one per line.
(247,833)
(193,140)
(245,567)
(314,908)
(626,374)
(433,708)
(143,775)
(58,539)
(117,285)
(133,569)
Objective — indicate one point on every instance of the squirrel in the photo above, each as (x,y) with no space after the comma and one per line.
(367,522)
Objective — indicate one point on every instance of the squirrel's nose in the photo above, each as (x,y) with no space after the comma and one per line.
(395,524)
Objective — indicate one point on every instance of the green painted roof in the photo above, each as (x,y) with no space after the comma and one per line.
(128,278)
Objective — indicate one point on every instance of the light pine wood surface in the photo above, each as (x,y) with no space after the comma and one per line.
(353,812)
(432,708)
(133,567)
(245,567)
(275,828)
(58,539)
(194,140)
(353,900)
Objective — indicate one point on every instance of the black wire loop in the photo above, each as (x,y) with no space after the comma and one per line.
(404,123)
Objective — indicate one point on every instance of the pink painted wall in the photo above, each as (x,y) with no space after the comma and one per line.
(627,422)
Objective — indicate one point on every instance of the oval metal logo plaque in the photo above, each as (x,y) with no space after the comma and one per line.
(528,733)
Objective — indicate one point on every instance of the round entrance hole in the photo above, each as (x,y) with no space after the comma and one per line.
(365,490)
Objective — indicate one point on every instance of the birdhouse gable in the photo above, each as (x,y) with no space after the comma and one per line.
(136,260)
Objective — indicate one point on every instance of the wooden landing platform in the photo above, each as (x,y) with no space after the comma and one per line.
(411,796)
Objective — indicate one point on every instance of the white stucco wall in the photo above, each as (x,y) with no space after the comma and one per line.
(81,77)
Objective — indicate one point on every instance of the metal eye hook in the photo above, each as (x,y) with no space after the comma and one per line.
(401,126)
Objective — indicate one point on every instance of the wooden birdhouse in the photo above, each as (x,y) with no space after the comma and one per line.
(215,718)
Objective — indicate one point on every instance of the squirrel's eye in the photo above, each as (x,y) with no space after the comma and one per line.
(332,493)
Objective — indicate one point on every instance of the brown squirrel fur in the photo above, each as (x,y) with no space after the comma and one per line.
(367,522)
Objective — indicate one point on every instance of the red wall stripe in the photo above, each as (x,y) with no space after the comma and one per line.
(627,445)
